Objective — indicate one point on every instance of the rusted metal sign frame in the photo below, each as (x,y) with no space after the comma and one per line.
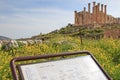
(26,58)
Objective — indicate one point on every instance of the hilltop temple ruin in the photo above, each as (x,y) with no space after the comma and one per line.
(98,15)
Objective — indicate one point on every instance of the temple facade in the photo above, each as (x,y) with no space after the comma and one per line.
(98,15)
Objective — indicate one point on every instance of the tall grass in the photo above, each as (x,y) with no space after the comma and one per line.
(106,51)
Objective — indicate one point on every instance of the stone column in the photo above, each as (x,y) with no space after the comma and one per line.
(98,13)
(84,9)
(88,7)
(93,10)
(105,9)
(75,18)
(93,13)
(101,14)
(105,12)
(101,7)
(84,16)
(89,14)
(98,6)
(94,4)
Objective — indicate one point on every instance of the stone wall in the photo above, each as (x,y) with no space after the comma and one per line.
(112,33)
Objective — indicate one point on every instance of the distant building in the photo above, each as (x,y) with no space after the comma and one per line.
(98,16)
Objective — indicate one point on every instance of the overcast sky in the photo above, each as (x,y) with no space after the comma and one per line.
(26,18)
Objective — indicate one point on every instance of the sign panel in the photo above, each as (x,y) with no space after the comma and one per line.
(78,68)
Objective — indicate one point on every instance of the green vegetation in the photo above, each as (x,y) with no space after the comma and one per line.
(106,51)
(68,39)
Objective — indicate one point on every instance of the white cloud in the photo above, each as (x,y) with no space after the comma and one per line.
(26,20)
(37,20)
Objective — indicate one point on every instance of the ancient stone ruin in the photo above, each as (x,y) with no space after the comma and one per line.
(98,16)
(112,33)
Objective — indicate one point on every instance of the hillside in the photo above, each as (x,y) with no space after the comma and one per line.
(4,38)
(92,32)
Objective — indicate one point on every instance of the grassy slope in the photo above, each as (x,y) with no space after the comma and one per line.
(107,52)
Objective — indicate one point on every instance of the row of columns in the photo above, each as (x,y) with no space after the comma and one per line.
(96,17)
(99,16)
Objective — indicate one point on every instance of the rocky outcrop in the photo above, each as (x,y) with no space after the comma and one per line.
(11,44)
